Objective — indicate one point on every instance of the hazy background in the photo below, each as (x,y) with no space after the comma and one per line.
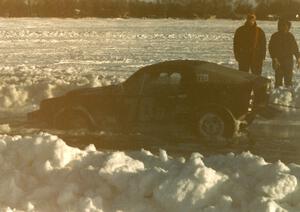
(234,9)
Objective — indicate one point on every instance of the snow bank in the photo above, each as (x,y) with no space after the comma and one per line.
(283,96)
(286,98)
(23,87)
(42,173)
(5,128)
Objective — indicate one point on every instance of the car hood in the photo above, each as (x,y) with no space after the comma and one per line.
(60,100)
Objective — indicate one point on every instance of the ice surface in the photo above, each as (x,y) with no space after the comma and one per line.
(41,173)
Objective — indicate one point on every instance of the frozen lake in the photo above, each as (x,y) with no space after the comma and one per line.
(42,58)
(117,44)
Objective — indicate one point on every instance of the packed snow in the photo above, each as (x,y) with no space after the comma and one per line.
(41,173)
(42,58)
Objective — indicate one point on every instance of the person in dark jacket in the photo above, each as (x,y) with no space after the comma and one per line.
(282,48)
(249,45)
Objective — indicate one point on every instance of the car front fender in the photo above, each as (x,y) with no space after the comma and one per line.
(76,109)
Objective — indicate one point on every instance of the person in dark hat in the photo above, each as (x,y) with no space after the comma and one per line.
(249,45)
(282,48)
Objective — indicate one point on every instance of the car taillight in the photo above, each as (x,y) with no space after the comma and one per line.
(251,101)
(268,88)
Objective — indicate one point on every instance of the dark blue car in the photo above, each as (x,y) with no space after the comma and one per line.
(202,97)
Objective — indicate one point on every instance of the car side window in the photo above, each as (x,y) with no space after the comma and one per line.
(165,82)
(175,78)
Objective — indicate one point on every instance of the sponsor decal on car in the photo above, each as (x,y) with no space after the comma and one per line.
(203,77)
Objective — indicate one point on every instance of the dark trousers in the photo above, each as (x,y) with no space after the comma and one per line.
(284,73)
(254,66)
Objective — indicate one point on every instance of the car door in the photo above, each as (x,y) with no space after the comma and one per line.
(161,100)
(129,99)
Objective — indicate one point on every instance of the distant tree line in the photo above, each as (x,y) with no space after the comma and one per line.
(148,9)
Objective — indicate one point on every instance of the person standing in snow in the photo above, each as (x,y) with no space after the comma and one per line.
(282,48)
(249,45)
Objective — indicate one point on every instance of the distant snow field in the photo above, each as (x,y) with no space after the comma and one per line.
(42,58)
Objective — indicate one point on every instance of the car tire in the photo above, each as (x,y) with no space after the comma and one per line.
(213,123)
(71,119)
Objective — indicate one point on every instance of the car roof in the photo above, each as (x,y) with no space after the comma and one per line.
(215,72)
(174,64)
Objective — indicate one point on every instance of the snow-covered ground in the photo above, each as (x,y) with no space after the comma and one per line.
(41,58)
(42,173)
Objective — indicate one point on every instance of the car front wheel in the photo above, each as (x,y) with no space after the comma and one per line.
(215,123)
